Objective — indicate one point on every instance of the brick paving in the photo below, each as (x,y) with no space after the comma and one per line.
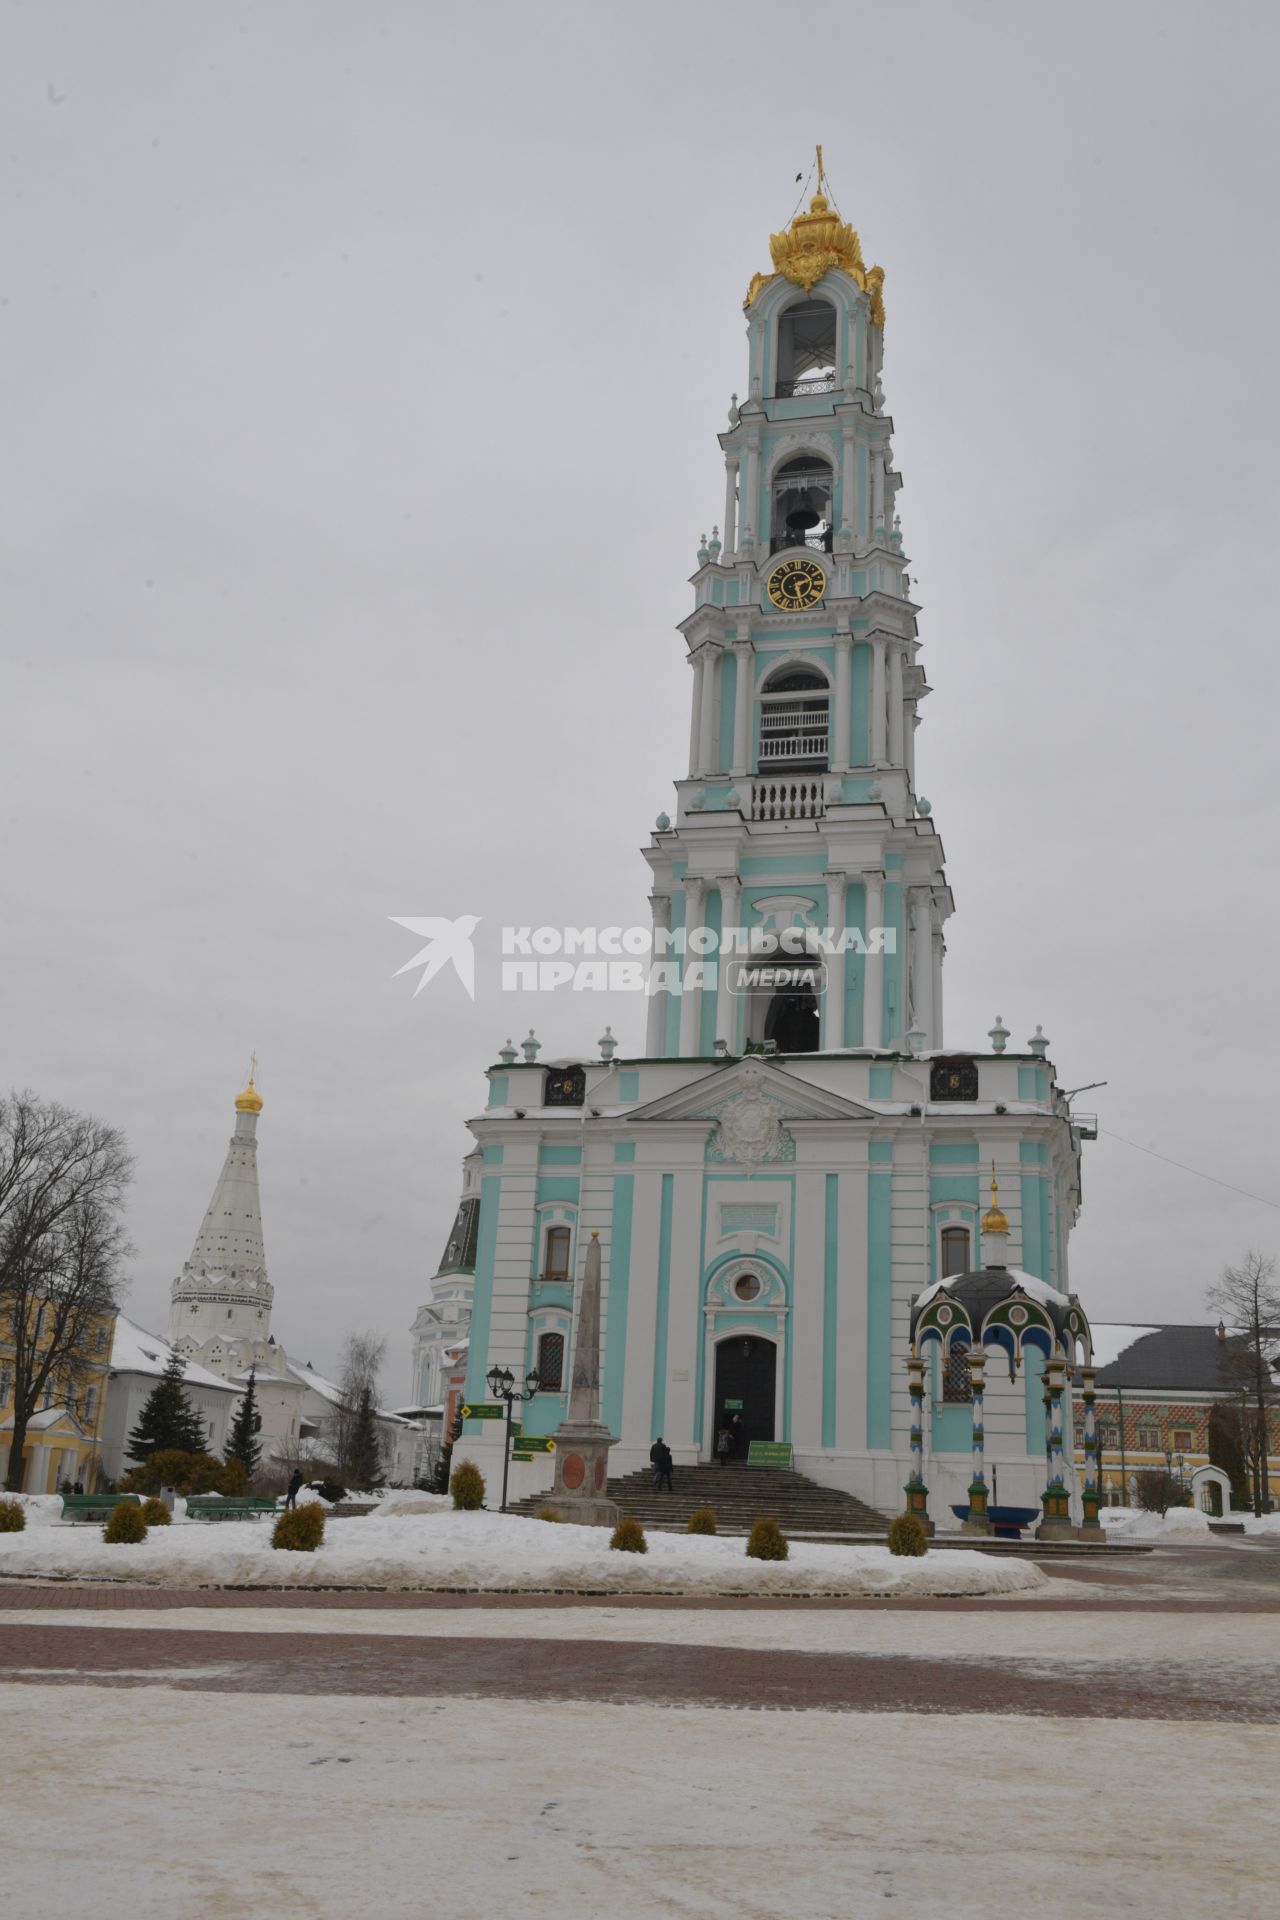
(627,1672)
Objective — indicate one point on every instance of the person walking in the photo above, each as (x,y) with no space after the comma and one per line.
(724,1446)
(655,1452)
(738,1437)
(664,1465)
(294,1488)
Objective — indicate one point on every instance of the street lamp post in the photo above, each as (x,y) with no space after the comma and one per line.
(502,1385)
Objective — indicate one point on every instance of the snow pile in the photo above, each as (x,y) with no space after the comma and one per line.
(478,1552)
(42,1508)
(403,1500)
(1180,1523)
(1269,1523)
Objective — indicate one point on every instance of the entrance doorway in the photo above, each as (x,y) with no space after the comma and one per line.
(746,1384)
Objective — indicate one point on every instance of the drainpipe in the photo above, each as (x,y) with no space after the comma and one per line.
(1124,1472)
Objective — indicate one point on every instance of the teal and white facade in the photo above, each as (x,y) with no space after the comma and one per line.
(797,1154)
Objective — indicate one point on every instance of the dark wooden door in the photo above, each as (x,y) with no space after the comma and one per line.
(746,1371)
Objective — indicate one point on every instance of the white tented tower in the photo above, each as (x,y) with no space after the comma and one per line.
(220,1304)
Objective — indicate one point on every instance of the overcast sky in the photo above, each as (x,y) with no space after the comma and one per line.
(362,366)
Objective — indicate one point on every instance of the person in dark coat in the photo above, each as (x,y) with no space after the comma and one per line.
(724,1446)
(295,1487)
(738,1435)
(664,1464)
(654,1452)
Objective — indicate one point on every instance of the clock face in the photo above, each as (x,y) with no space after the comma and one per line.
(796,584)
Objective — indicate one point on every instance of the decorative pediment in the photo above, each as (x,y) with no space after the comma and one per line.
(754,1078)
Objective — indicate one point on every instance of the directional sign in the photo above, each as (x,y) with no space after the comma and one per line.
(534,1443)
(483,1410)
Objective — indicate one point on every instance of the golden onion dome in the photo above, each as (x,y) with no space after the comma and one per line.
(250,1100)
(993,1220)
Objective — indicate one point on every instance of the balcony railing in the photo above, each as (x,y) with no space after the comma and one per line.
(787,800)
(820,540)
(806,384)
(794,731)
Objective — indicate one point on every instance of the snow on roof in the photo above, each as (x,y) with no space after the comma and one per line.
(134,1350)
(1110,1340)
(327,1389)
(1036,1289)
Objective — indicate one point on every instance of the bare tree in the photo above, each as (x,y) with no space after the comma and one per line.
(362,1358)
(1247,1298)
(62,1182)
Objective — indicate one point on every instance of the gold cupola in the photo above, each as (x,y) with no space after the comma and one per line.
(994,1220)
(250,1100)
(813,244)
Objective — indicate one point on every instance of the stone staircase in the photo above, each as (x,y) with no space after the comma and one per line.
(738,1495)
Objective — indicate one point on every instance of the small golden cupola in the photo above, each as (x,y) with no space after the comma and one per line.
(250,1100)
(994,1219)
(813,244)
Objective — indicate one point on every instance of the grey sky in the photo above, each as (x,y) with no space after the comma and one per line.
(362,366)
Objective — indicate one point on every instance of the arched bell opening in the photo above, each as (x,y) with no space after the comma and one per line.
(783,982)
(806,349)
(802,505)
(795,718)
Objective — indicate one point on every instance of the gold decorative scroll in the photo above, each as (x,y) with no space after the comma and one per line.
(812,245)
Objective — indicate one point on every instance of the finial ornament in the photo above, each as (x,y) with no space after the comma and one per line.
(998,1035)
(250,1101)
(994,1220)
(813,244)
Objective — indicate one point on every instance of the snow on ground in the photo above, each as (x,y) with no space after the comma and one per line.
(491,1551)
(1069,1639)
(1186,1526)
(160,1805)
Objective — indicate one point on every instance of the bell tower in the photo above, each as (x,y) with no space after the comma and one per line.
(803,874)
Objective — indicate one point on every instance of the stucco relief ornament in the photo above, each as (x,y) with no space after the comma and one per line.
(750,1129)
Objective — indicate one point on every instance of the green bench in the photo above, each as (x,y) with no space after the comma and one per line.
(205,1506)
(95,1506)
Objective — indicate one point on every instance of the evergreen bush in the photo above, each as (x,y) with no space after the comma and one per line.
(242,1442)
(767,1541)
(186,1473)
(628,1536)
(702,1520)
(169,1423)
(466,1484)
(13,1516)
(300,1529)
(330,1490)
(155,1513)
(550,1513)
(125,1525)
(907,1536)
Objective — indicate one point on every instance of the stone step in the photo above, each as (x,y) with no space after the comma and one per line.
(739,1495)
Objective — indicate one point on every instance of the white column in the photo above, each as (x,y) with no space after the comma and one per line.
(833,1003)
(878,746)
(848,486)
(726,1002)
(922,962)
(745,658)
(873,974)
(939,949)
(751,506)
(695,723)
(895,705)
(656,1028)
(695,895)
(909,741)
(731,507)
(843,697)
(877,489)
(707,717)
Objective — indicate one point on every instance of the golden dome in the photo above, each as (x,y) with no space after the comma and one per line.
(250,1101)
(813,244)
(994,1221)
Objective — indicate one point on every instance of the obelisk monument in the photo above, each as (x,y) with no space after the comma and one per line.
(581,1487)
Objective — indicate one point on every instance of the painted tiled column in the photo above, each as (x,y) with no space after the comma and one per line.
(916,1491)
(833,1000)
(727,1002)
(1091,1495)
(1056,1524)
(695,896)
(656,1027)
(977,1519)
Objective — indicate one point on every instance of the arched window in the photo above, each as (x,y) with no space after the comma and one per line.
(806,349)
(556,1262)
(550,1362)
(794,719)
(955,1251)
(802,491)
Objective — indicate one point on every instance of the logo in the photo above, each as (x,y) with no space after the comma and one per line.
(448,945)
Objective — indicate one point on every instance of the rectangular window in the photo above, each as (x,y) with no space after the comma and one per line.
(90,1402)
(955,1251)
(100,1338)
(1148,1439)
(1109,1437)
(6,1385)
(1183,1440)
(551,1362)
(557,1254)
(957,1385)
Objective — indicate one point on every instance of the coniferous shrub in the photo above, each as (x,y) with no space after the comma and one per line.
(702,1520)
(155,1513)
(186,1473)
(552,1514)
(13,1516)
(300,1529)
(466,1484)
(907,1536)
(767,1541)
(330,1490)
(125,1525)
(168,1422)
(628,1536)
(243,1443)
